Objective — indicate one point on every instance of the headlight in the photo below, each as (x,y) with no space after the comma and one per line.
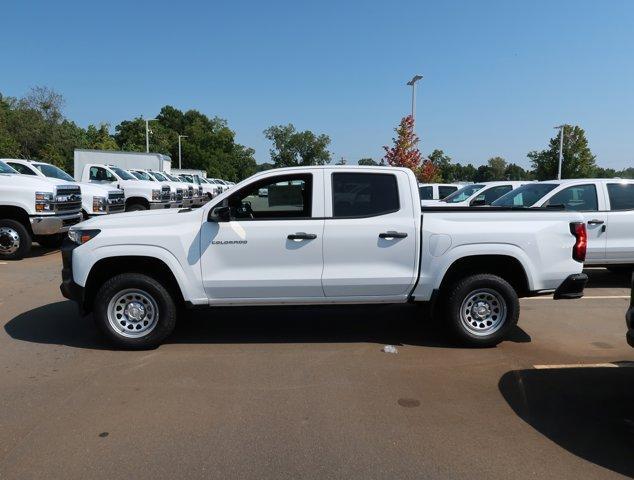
(43,201)
(99,204)
(156,195)
(80,236)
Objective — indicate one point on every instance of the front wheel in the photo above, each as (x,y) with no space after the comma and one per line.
(15,241)
(482,309)
(135,311)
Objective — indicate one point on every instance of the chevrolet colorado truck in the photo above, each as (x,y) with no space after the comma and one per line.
(322,235)
(95,199)
(34,209)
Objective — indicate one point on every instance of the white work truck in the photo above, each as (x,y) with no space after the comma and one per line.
(139,194)
(312,241)
(95,199)
(607,207)
(34,209)
(177,189)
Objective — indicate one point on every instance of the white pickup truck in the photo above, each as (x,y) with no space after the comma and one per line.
(475,194)
(607,207)
(95,199)
(311,241)
(139,194)
(32,208)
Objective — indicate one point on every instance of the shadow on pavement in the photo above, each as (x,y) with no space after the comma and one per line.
(60,323)
(603,278)
(587,411)
(39,251)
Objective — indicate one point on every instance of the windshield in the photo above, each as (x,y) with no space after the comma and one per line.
(159,177)
(142,176)
(4,168)
(172,177)
(52,171)
(462,194)
(122,174)
(525,196)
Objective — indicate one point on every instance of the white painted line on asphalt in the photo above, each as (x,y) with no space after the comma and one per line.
(3,263)
(586,365)
(588,297)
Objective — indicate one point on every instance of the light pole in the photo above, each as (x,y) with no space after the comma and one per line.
(561,148)
(147,133)
(412,83)
(179,149)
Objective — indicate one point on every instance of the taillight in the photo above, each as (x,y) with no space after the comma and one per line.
(578,229)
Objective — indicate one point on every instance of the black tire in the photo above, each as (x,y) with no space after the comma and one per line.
(495,295)
(7,240)
(51,241)
(135,207)
(166,313)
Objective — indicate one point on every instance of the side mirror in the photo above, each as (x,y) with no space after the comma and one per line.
(478,202)
(220,214)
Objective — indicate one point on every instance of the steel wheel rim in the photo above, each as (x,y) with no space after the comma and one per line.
(483,312)
(9,240)
(133,313)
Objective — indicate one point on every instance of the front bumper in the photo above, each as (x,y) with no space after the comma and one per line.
(50,225)
(176,204)
(159,205)
(69,288)
(572,287)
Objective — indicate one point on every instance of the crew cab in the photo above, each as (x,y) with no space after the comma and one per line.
(476,194)
(607,207)
(34,209)
(95,199)
(176,189)
(311,242)
(139,194)
(436,191)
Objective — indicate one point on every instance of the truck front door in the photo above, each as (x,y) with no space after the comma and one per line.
(370,237)
(272,247)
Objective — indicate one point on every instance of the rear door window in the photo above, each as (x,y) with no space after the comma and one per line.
(621,196)
(444,191)
(426,192)
(581,198)
(492,194)
(363,194)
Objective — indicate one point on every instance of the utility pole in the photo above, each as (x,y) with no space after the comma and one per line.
(147,134)
(179,150)
(561,149)
(412,83)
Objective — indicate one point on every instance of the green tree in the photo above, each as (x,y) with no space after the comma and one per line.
(447,170)
(484,173)
(497,167)
(515,172)
(292,148)
(578,160)
(99,138)
(368,162)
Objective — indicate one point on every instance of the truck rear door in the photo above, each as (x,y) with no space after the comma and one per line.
(620,243)
(370,234)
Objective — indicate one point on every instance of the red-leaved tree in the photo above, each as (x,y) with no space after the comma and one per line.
(405,151)
(428,172)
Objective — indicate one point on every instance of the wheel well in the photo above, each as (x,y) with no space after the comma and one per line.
(137,201)
(504,266)
(109,267)
(18,214)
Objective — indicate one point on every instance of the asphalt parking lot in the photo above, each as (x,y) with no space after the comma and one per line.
(309,393)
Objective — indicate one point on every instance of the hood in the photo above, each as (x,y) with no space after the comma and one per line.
(37,183)
(97,188)
(138,219)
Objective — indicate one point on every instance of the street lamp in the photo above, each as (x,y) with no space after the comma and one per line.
(179,149)
(147,133)
(561,148)
(412,83)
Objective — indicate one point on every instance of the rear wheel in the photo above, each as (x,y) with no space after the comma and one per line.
(135,207)
(15,241)
(481,309)
(135,311)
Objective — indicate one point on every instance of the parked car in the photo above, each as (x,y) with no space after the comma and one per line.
(474,195)
(629,318)
(607,206)
(95,199)
(176,189)
(319,243)
(199,197)
(436,191)
(34,209)
(139,194)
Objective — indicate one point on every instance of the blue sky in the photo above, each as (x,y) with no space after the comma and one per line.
(498,74)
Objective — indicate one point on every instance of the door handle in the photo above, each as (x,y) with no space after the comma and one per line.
(594,221)
(302,236)
(392,234)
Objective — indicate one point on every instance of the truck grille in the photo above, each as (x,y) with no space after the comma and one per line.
(190,192)
(68,199)
(165,193)
(179,194)
(116,202)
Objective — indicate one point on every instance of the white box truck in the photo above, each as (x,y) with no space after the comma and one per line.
(123,160)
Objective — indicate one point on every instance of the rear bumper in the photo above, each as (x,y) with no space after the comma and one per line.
(572,287)
(69,288)
(50,225)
